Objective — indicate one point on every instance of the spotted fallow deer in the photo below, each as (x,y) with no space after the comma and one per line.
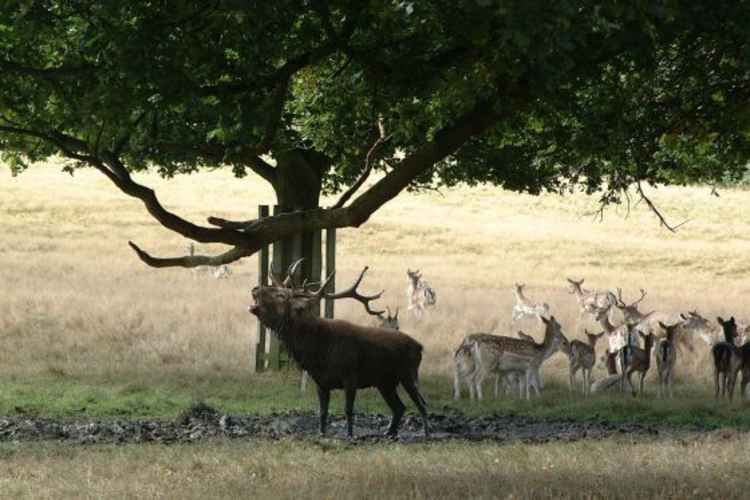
(590,302)
(525,308)
(339,354)
(512,354)
(419,294)
(468,367)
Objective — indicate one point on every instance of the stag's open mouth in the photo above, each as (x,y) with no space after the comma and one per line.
(254,308)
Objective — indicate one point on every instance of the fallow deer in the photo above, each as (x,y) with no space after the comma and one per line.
(511,354)
(666,358)
(591,302)
(341,355)
(582,356)
(727,359)
(467,366)
(419,293)
(525,308)
(636,359)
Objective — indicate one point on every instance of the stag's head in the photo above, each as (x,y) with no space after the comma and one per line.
(575,286)
(285,300)
(630,311)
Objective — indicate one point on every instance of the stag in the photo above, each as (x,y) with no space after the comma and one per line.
(591,302)
(341,355)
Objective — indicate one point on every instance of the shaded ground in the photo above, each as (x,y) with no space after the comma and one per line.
(202,422)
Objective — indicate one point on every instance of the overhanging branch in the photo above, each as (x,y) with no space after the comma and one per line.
(662,220)
(228,257)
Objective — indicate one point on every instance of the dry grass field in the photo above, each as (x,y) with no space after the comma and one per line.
(84,324)
(76,301)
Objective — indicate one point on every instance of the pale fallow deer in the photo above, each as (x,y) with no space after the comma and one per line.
(590,302)
(419,294)
(525,308)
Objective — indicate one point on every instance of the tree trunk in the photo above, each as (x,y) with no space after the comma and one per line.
(298,186)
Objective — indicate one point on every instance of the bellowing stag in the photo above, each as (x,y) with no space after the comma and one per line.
(338,354)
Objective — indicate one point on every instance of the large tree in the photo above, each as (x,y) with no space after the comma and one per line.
(312,95)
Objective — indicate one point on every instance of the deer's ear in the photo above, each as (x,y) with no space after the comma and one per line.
(663,325)
(395,316)
(720,320)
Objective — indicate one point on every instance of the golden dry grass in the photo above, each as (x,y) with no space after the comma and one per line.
(695,468)
(75,300)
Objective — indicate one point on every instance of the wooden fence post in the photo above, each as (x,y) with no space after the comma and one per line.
(330,267)
(260,347)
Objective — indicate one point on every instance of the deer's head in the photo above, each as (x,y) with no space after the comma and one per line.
(414,276)
(730,328)
(630,311)
(389,321)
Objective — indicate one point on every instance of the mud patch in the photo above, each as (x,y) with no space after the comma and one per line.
(202,422)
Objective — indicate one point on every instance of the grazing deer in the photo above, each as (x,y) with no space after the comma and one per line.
(219,272)
(524,308)
(581,356)
(591,302)
(636,359)
(419,293)
(727,359)
(341,355)
(666,357)
(510,354)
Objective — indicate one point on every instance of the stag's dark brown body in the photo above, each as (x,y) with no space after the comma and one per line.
(341,355)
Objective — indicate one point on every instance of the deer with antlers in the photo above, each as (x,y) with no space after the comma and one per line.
(419,293)
(525,308)
(338,354)
(590,302)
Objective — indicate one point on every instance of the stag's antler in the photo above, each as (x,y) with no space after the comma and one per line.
(352,293)
(289,281)
(643,296)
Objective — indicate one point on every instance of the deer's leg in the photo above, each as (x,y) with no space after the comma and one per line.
(350,393)
(457,385)
(745,380)
(324,396)
(643,376)
(572,377)
(497,385)
(390,395)
(716,383)
(630,381)
(419,401)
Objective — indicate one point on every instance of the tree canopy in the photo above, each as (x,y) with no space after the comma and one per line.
(529,95)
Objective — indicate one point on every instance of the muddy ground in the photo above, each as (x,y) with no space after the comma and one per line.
(203,422)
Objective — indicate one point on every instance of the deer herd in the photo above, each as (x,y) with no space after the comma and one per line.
(341,355)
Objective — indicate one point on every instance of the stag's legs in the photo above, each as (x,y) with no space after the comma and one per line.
(397,408)
(415,396)
(324,396)
(350,393)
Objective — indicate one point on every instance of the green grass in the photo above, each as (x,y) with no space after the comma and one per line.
(169,394)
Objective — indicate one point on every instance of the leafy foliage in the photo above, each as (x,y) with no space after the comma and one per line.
(589,93)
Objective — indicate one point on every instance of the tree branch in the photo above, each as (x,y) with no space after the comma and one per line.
(228,257)
(367,170)
(652,207)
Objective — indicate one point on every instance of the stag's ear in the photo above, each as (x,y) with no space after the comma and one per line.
(720,320)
